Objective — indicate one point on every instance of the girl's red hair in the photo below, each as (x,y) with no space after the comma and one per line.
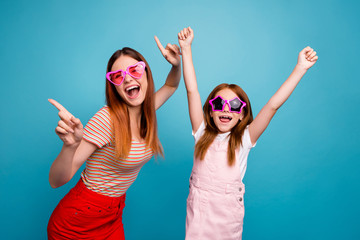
(211,130)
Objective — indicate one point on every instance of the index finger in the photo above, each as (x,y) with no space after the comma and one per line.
(59,106)
(160,46)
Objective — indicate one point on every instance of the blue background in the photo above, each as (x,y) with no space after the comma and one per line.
(302,180)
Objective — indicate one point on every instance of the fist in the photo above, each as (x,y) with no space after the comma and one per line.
(307,58)
(185,37)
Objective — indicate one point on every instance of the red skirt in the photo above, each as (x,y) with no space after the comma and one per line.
(85,214)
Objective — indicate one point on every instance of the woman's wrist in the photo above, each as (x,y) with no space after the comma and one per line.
(71,147)
(176,67)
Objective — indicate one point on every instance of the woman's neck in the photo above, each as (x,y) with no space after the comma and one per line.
(135,114)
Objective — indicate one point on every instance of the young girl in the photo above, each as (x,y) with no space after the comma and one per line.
(224,133)
(116,143)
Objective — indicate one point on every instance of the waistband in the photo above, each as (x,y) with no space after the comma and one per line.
(80,188)
(217,186)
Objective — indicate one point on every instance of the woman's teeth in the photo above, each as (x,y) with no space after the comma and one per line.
(132,91)
(131,88)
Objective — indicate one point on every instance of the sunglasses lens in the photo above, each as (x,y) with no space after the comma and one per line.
(235,105)
(117,77)
(137,70)
(218,104)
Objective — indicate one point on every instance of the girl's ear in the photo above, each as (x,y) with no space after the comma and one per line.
(242,115)
(211,114)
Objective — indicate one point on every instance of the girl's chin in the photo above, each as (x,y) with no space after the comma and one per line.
(224,127)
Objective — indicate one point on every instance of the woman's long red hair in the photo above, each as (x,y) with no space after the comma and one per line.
(211,130)
(119,112)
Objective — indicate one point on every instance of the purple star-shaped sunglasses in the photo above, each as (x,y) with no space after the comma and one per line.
(235,105)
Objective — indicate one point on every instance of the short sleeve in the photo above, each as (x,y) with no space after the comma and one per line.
(246,140)
(98,129)
(199,132)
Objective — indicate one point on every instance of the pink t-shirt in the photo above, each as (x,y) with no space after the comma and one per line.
(218,149)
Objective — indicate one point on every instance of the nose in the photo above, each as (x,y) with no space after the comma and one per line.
(127,78)
(226,108)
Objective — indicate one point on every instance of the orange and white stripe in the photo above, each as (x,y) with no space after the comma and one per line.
(104,173)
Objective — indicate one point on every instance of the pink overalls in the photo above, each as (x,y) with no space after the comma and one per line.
(215,205)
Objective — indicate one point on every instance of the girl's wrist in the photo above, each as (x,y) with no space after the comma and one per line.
(300,67)
(186,48)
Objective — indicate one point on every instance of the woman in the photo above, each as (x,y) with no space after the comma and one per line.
(116,143)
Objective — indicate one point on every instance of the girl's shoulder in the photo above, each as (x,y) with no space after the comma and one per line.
(246,140)
(200,131)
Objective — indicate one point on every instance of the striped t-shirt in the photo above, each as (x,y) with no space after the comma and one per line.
(104,173)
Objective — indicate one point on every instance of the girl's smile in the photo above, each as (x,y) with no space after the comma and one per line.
(225,118)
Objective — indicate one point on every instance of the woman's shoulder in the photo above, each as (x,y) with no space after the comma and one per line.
(101,116)
(104,109)
(104,112)
(98,128)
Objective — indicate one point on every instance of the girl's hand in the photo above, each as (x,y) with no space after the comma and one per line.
(171,53)
(307,58)
(69,129)
(185,37)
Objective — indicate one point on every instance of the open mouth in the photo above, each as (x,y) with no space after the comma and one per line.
(225,119)
(132,91)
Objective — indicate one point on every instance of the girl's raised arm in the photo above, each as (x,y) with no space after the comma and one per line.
(307,58)
(172,54)
(186,37)
(75,150)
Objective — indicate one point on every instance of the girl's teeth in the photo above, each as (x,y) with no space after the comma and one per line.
(226,117)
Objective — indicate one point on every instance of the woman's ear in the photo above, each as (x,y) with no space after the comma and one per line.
(211,114)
